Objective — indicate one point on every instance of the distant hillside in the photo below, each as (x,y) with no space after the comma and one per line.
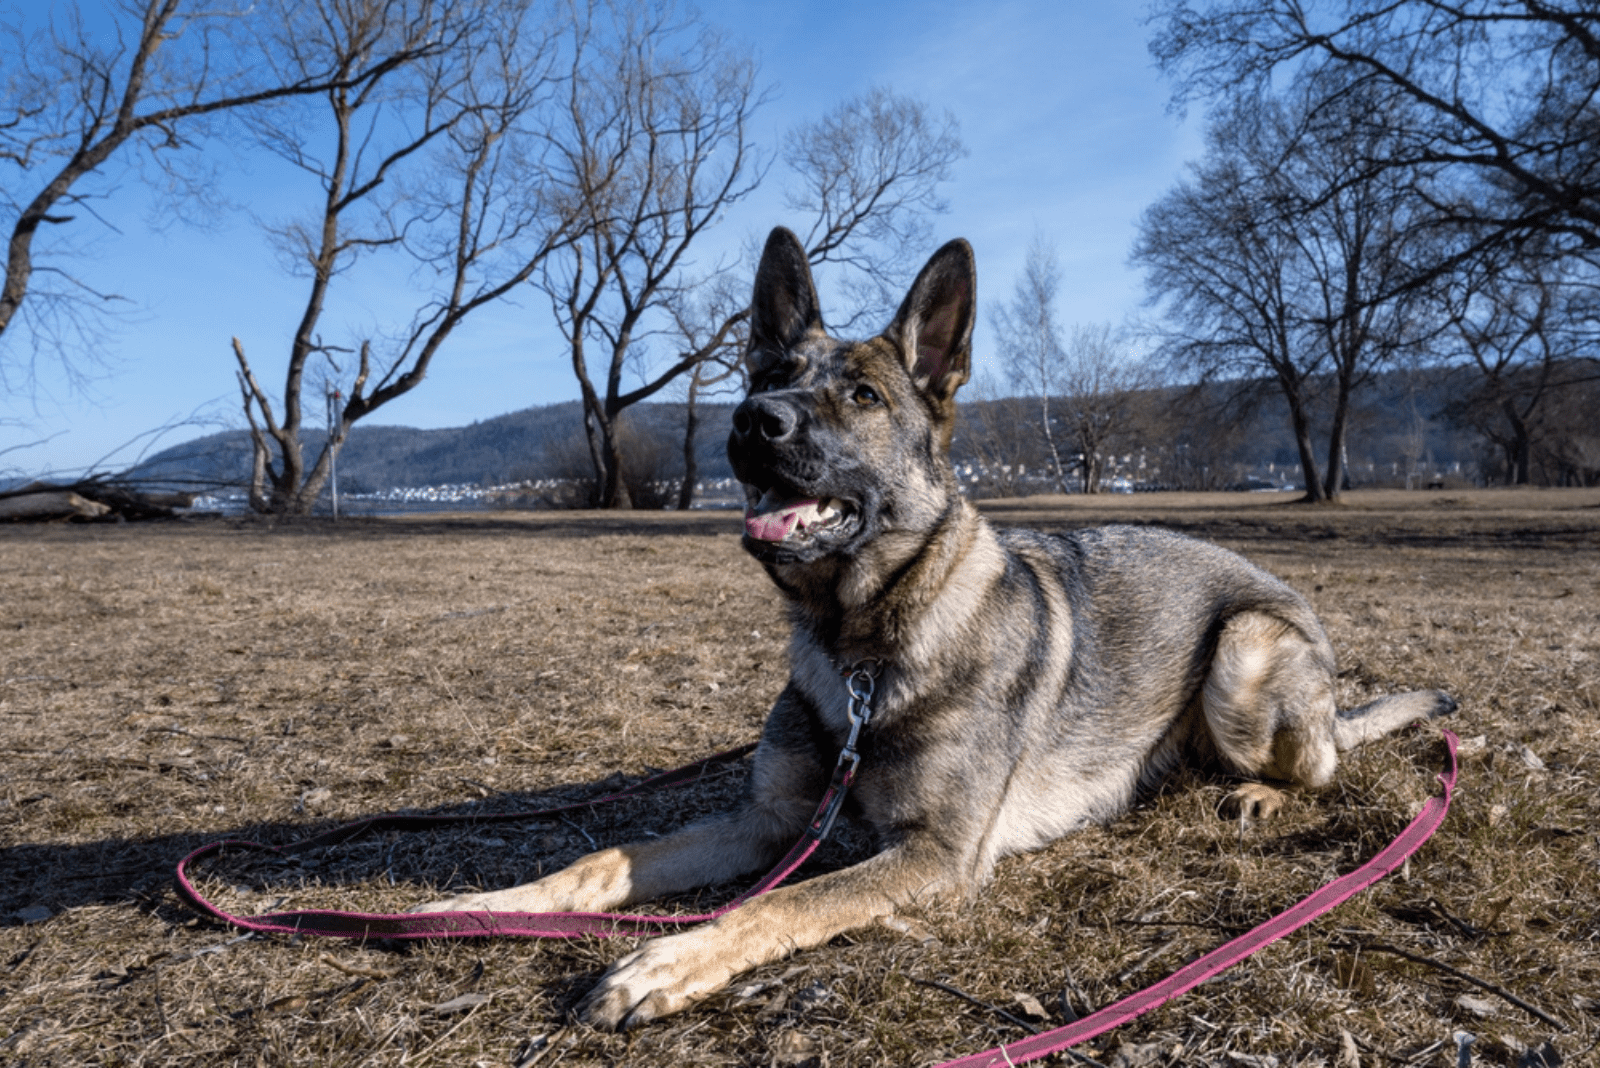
(1396,416)
(532,443)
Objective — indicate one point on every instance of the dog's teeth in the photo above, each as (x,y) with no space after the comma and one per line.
(775,518)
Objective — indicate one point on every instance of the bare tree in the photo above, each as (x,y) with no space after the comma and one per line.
(1498,96)
(660,116)
(1359,240)
(656,139)
(1220,266)
(1031,346)
(440,157)
(1272,258)
(76,99)
(1102,383)
(868,175)
(1518,319)
(1489,126)
(1083,387)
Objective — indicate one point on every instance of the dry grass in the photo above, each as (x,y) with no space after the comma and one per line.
(165,685)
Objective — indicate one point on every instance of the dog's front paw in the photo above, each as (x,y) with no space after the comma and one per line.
(1253,801)
(664,976)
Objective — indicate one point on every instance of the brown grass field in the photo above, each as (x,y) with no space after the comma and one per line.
(167,684)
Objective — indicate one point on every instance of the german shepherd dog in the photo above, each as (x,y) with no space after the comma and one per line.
(1026,684)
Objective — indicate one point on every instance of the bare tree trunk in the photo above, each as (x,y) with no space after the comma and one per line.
(596,441)
(263,435)
(691,467)
(260,453)
(614,490)
(1333,482)
(1057,472)
(1519,449)
(605,450)
(1301,425)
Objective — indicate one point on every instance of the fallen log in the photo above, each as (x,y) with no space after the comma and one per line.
(51,504)
(90,499)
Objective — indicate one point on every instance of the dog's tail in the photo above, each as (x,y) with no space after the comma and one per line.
(1373,720)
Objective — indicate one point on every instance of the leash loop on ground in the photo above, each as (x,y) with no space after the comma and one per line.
(333,923)
(338,924)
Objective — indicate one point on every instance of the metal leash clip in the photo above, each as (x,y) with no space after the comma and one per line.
(862,684)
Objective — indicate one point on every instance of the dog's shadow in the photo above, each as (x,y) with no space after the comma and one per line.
(480,844)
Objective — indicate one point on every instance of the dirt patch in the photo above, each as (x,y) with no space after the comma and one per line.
(173,683)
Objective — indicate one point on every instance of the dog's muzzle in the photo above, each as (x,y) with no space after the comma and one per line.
(783,507)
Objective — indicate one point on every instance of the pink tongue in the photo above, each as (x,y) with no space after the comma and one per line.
(776,524)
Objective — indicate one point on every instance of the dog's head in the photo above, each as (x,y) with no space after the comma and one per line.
(840,444)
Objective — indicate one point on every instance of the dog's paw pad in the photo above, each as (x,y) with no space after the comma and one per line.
(1253,801)
(664,976)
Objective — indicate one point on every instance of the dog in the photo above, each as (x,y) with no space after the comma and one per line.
(1024,685)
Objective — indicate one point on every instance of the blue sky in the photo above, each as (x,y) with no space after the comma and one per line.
(1060,107)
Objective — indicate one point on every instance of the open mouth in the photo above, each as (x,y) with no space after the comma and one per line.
(779,520)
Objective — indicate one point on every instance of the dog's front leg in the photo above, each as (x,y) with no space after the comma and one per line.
(713,851)
(783,794)
(666,975)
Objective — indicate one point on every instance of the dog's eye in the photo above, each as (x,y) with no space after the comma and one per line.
(866,396)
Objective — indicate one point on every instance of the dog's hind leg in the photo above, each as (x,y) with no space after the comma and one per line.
(1374,719)
(1269,707)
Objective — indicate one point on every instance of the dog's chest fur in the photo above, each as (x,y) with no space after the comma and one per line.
(946,741)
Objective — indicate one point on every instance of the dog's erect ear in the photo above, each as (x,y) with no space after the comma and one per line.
(784,305)
(934,324)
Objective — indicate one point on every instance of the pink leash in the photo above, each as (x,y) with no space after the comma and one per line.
(335,924)
(1185,979)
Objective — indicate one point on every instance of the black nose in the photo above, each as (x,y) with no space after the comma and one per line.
(772,418)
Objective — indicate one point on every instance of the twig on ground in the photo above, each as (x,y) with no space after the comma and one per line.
(580,830)
(1002,1013)
(192,734)
(1482,984)
(206,951)
(436,1043)
(537,1049)
(354,969)
(1146,958)
(964,996)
